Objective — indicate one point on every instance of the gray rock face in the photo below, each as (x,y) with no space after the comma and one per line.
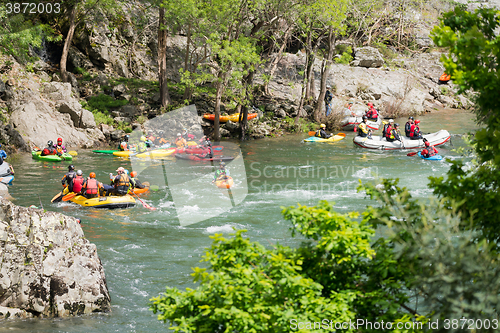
(280,113)
(368,57)
(12,138)
(48,267)
(2,88)
(78,60)
(119,90)
(81,117)
(129,110)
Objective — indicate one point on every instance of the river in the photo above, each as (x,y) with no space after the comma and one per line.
(144,251)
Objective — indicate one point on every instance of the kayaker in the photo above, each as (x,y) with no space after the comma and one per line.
(77,182)
(408,125)
(3,154)
(372,113)
(121,182)
(59,147)
(429,150)
(207,152)
(415,133)
(321,133)
(180,142)
(394,134)
(221,173)
(50,150)
(328,100)
(135,183)
(124,146)
(90,188)
(363,130)
(386,132)
(68,177)
(141,146)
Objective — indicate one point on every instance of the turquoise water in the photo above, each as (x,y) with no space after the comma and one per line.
(144,251)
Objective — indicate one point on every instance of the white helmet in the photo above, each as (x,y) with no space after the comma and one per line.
(79,172)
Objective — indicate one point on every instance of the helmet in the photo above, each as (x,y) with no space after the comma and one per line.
(322,125)
(328,86)
(143,138)
(79,173)
(351,102)
(120,170)
(92,175)
(126,171)
(396,125)
(179,134)
(50,143)
(427,144)
(410,117)
(133,174)
(391,120)
(365,117)
(59,139)
(370,104)
(222,164)
(417,121)
(71,167)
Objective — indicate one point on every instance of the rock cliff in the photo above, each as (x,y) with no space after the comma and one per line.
(47,267)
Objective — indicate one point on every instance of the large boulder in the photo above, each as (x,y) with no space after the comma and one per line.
(81,117)
(12,139)
(368,57)
(78,60)
(48,267)
(58,91)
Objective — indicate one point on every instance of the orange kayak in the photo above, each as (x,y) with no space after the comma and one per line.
(224,183)
(445,77)
(235,117)
(142,190)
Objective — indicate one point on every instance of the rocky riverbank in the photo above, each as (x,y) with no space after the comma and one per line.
(48,268)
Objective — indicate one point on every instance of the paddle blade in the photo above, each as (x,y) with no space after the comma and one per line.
(57,197)
(154,188)
(146,184)
(411,154)
(311,133)
(69,196)
(73,153)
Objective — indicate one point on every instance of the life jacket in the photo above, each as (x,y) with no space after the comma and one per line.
(45,152)
(180,142)
(92,186)
(387,131)
(141,147)
(425,153)
(78,184)
(414,130)
(162,141)
(408,126)
(123,181)
(372,113)
(363,128)
(318,133)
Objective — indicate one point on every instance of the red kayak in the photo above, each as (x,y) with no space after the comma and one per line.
(197,150)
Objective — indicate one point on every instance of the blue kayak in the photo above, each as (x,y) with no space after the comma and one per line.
(432,158)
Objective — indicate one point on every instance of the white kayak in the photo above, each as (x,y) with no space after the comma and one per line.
(379,142)
(350,122)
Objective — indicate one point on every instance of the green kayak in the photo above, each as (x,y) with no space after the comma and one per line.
(105,151)
(51,158)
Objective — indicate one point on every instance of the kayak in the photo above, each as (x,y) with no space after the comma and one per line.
(196,158)
(123,153)
(104,151)
(379,142)
(432,158)
(350,122)
(36,155)
(224,183)
(334,138)
(235,117)
(7,180)
(110,202)
(157,153)
(444,77)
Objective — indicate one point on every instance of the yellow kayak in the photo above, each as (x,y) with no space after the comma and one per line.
(111,202)
(157,153)
(336,137)
(125,153)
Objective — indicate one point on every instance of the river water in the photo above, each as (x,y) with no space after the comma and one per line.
(144,251)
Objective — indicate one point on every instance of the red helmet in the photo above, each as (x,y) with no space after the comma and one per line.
(59,140)
(133,174)
(417,121)
(370,104)
(427,144)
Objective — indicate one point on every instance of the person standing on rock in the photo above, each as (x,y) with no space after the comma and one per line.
(408,125)
(328,100)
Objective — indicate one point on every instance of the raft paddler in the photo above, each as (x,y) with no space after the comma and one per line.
(408,125)
(415,133)
(372,113)
(77,182)
(91,187)
(394,134)
(68,177)
(363,130)
(120,182)
(321,132)
(221,173)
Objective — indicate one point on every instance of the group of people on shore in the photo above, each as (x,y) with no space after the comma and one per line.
(90,187)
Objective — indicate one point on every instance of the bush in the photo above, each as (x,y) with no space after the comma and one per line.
(104,103)
(346,55)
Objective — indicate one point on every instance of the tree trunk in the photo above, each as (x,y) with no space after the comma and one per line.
(247,83)
(162,60)
(188,90)
(67,43)
(218,97)
(325,72)
(276,60)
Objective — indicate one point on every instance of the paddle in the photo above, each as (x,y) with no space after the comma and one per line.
(69,196)
(145,205)
(412,153)
(311,133)
(73,153)
(57,197)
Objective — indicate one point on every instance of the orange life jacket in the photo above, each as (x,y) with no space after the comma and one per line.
(92,186)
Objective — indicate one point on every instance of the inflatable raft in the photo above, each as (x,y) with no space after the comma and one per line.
(224,183)
(110,202)
(350,122)
(334,138)
(432,158)
(235,117)
(379,142)
(197,158)
(36,155)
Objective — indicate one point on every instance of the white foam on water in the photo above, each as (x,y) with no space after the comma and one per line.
(226,228)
